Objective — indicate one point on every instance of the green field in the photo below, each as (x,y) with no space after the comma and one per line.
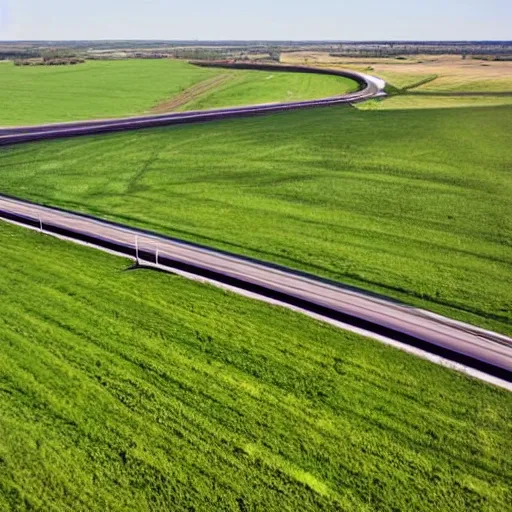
(96,89)
(253,87)
(434,101)
(469,84)
(137,390)
(413,204)
(105,89)
(404,80)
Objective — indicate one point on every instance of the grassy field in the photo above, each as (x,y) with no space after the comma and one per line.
(432,101)
(104,89)
(413,204)
(253,87)
(405,80)
(96,89)
(137,390)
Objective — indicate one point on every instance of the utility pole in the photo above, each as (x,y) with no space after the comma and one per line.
(137,249)
(40,224)
(156,255)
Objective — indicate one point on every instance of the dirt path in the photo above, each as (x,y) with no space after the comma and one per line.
(191,93)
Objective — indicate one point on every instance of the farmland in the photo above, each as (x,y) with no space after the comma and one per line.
(411,204)
(427,81)
(97,89)
(434,101)
(105,89)
(136,389)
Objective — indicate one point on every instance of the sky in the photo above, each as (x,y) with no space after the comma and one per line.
(256,19)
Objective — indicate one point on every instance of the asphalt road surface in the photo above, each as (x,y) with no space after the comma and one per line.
(477,348)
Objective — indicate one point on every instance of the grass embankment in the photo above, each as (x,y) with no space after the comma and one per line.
(412,204)
(137,390)
(104,89)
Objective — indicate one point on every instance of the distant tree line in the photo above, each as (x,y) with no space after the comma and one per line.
(42,57)
(49,61)
(63,52)
(21,54)
(416,48)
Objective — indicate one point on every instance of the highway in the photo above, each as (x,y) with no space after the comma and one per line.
(475,348)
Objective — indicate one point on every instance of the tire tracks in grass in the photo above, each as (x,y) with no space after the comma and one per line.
(133,184)
(192,93)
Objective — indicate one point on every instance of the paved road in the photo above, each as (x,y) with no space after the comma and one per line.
(474,347)
(370,87)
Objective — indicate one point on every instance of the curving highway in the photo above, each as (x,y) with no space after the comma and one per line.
(475,348)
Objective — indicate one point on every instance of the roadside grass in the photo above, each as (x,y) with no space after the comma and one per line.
(428,101)
(458,84)
(470,83)
(406,81)
(104,89)
(138,390)
(412,204)
(253,87)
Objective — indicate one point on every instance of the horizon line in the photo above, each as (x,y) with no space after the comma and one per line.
(509,41)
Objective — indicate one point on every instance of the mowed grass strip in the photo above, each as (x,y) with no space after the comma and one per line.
(134,390)
(413,204)
(105,89)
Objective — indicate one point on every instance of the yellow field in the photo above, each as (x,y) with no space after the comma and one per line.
(447,74)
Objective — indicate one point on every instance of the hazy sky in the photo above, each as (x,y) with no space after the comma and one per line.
(255,19)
